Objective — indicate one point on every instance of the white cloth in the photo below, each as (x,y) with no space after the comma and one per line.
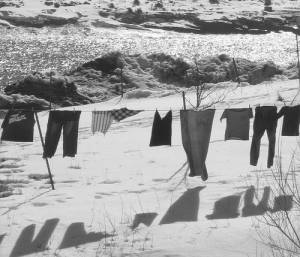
(101,121)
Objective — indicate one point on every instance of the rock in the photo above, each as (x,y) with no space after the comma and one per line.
(32,19)
(291,72)
(22,101)
(254,72)
(48,2)
(11,3)
(6,24)
(263,72)
(107,63)
(59,91)
(106,77)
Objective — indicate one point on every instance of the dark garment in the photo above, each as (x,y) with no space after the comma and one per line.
(238,123)
(265,119)
(18,126)
(195,132)
(291,120)
(161,130)
(69,121)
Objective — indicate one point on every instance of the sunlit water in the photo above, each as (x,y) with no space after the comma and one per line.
(26,50)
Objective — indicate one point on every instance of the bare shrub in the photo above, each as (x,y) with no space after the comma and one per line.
(282,230)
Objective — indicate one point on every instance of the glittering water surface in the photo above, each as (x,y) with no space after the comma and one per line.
(25,50)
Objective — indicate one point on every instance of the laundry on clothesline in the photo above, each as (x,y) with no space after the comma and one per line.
(291,120)
(123,113)
(265,120)
(18,126)
(161,129)
(238,123)
(69,122)
(195,132)
(196,126)
(101,121)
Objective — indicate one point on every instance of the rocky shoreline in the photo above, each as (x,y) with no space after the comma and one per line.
(105,77)
(223,18)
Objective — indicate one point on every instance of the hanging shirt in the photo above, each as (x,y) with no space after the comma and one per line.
(101,121)
(18,126)
(291,120)
(123,113)
(161,130)
(238,123)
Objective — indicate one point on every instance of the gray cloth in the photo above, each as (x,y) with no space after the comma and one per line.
(195,132)
(238,123)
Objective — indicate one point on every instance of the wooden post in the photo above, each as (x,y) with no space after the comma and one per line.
(198,97)
(122,92)
(236,71)
(183,98)
(298,61)
(42,141)
(298,64)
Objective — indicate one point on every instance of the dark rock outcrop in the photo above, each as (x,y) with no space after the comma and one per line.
(195,23)
(22,101)
(9,3)
(59,91)
(38,20)
(105,77)
(254,72)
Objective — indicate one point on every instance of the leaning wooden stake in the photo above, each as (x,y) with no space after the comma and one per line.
(42,140)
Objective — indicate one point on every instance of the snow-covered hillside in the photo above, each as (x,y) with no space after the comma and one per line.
(117,182)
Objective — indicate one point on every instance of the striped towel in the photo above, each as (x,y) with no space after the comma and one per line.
(101,121)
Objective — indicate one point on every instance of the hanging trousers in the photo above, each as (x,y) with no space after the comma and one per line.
(265,119)
(68,121)
(195,132)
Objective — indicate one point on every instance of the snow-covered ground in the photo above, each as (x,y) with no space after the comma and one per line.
(114,177)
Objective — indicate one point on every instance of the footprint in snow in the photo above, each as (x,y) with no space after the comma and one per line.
(110,181)
(39,204)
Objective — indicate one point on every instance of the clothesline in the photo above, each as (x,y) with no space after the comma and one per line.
(146,110)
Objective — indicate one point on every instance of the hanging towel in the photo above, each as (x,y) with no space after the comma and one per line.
(195,132)
(68,121)
(291,120)
(18,126)
(123,113)
(161,130)
(265,119)
(238,123)
(101,121)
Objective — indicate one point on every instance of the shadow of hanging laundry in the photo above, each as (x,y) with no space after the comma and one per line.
(185,209)
(283,203)
(25,243)
(1,238)
(226,208)
(145,218)
(250,209)
(76,235)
